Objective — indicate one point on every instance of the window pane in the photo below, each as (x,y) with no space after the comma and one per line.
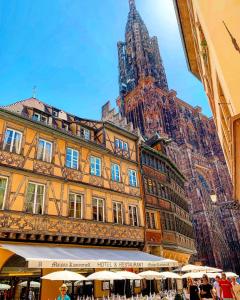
(94,208)
(16,142)
(30,197)
(100,212)
(48,154)
(120,218)
(78,206)
(8,140)
(3,186)
(40,150)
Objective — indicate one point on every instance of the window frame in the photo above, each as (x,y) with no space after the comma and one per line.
(113,172)
(35,197)
(103,202)
(121,145)
(130,208)
(118,203)
(71,162)
(11,145)
(100,169)
(88,138)
(5,192)
(75,206)
(130,171)
(44,150)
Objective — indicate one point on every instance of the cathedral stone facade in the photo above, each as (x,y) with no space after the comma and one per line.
(147,106)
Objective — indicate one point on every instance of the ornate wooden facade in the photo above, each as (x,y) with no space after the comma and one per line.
(38,144)
(168,226)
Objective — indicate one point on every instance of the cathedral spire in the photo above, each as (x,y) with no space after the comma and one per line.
(132,4)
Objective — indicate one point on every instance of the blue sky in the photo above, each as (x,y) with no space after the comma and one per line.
(67,48)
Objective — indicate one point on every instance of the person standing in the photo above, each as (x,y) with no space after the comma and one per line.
(226,290)
(206,289)
(63,290)
(192,290)
(217,287)
(236,288)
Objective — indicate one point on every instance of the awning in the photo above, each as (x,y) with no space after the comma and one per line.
(39,256)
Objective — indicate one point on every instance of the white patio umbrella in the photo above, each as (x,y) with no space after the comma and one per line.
(211,269)
(170,275)
(64,275)
(200,274)
(105,275)
(129,275)
(4,286)
(191,268)
(150,275)
(33,284)
(231,274)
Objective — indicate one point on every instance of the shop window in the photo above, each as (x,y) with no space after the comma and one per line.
(98,209)
(117,213)
(75,205)
(3,191)
(12,141)
(35,198)
(95,166)
(72,158)
(44,152)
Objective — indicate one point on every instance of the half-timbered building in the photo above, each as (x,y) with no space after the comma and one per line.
(65,180)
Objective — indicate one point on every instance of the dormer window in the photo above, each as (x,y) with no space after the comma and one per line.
(65,126)
(40,118)
(85,133)
(121,145)
(55,113)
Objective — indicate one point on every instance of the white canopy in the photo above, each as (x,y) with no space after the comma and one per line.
(191,268)
(33,284)
(170,275)
(4,286)
(200,275)
(150,275)
(231,274)
(39,256)
(129,275)
(105,275)
(64,275)
(195,268)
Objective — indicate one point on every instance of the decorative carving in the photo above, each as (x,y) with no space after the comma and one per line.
(134,191)
(72,174)
(19,222)
(95,180)
(43,167)
(117,186)
(11,159)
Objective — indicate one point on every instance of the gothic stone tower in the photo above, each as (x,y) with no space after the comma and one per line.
(146,102)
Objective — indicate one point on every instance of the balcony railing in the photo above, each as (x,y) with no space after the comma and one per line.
(24,226)
(173,239)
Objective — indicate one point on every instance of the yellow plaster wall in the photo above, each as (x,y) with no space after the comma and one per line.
(57,188)
(225,57)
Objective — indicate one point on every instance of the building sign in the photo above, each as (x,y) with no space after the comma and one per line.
(95,264)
